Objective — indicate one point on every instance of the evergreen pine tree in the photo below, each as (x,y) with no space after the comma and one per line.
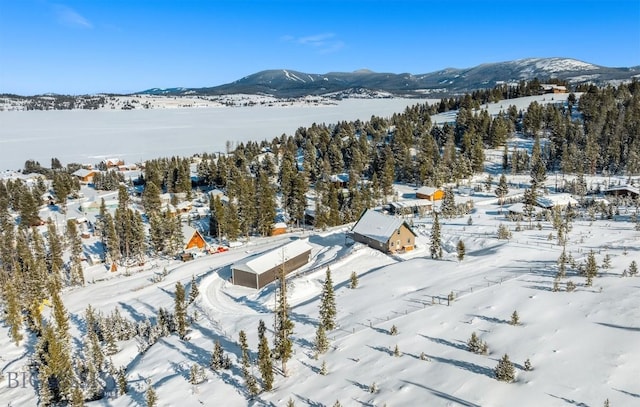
(111,346)
(562,264)
(527,365)
(353,280)
(291,403)
(505,371)
(591,269)
(460,249)
(150,396)
(55,262)
(436,244)
(323,368)
(328,304)
(321,343)
(121,380)
(633,268)
(180,311)
(56,364)
(60,315)
(396,351)
(77,396)
(606,262)
(217,357)
(151,198)
(448,208)
(13,312)
(264,358)
(45,394)
(196,374)
(193,294)
(250,380)
(76,273)
(538,169)
(515,318)
(265,204)
(504,232)
(217,218)
(502,190)
(283,326)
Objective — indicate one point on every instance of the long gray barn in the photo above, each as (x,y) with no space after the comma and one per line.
(259,270)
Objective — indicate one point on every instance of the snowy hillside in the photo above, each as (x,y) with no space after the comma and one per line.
(582,345)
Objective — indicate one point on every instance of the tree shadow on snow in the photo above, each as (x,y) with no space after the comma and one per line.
(382,349)
(314,369)
(443,395)
(628,393)
(493,320)
(539,287)
(308,401)
(569,401)
(471,367)
(626,328)
(359,385)
(457,345)
(137,317)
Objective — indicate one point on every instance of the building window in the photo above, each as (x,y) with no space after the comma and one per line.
(391,244)
(409,240)
(398,231)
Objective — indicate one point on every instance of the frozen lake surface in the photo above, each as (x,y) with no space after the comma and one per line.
(135,135)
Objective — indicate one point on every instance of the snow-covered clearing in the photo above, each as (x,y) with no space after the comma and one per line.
(582,344)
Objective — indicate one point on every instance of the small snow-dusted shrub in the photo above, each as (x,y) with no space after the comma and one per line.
(504,371)
(515,318)
(475,345)
(373,388)
(527,365)
(323,368)
(393,330)
(504,233)
(353,283)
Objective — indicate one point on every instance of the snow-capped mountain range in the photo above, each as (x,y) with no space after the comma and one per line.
(290,83)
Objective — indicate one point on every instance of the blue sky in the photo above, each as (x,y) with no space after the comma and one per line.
(90,46)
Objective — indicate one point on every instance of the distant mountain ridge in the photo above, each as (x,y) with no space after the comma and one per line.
(290,83)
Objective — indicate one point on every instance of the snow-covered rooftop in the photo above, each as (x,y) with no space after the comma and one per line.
(263,262)
(426,190)
(550,201)
(376,225)
(83,172)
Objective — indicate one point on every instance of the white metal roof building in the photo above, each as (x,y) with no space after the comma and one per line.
(259,270)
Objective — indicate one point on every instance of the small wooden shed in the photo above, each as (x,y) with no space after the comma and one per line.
(432,194)
(279,229)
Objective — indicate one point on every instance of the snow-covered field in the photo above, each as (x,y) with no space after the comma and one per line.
(582,344)
(136,135)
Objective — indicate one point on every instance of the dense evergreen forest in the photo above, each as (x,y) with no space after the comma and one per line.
(599,133)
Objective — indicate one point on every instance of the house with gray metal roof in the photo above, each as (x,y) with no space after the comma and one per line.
(382,232)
